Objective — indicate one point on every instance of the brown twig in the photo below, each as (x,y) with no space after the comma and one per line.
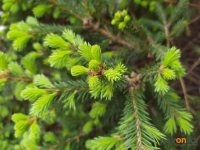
(20,79)
(195,19)
(8,78)
(185,94)
(111,36)
(166,28)
(193,66)
(69,140)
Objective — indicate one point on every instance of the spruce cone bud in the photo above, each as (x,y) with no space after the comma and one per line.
(118,14)
(122,25)
(125,12)
(127,18)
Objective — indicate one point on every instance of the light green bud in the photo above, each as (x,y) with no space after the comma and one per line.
(168,73)
(93,81)
(37,46)
(122,25)
(125,12)
(127,18)
(114,21)
(94,65)
(112,75)
(79,70)
(118,14)
(96,53)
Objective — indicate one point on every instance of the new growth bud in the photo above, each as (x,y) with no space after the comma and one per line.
(127,18)
(168,73)
(112,75)
(125,12)
(3,81)
(122,25)
(118,14)
(96,53)
(79,70)
(37,46)
(94,65)
(93,81)
(114,21)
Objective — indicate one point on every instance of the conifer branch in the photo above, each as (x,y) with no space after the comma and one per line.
(65,9)
(96,28)
(174,113)
(148,39)
(6,75)
(20,79)
(84,87)
(87,9)
(111,36)
(138,123)
(69,140)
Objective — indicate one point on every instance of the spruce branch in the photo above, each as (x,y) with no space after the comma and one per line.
(69,140)
(174,114)
(136,117)
(148,39)
(6,75)
(138,122)
(134,26)
(65,104)
(23,32)
(111,36)
(78,137)
(65,9)
(95,27)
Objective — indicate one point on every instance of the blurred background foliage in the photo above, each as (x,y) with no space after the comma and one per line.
(63,128)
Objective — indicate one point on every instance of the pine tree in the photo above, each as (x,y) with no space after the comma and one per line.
(68,77)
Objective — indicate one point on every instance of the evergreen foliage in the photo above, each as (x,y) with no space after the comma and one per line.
(72,78)
(102,143)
